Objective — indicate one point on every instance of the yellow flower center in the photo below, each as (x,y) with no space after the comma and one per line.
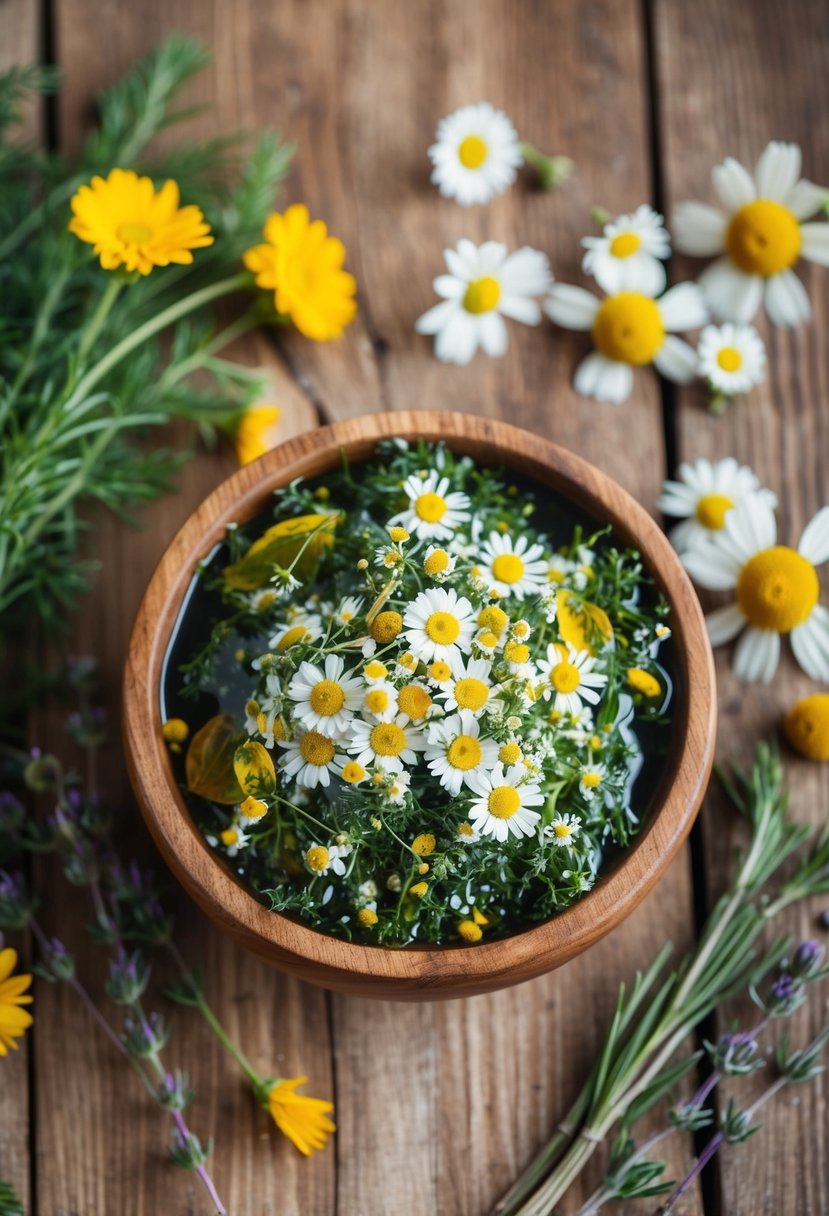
(493,618)
(318,857)
(386,626)
(440,671)
(419,889)
(436,562)
(644,682)
(763,238)
(398,535)
(806,726)
(591,780)
(424,844)
(521,630)
(562,830)
(504,801)
(565,677)
(388,739)
(626,243)
(175,730)
(134,233)
(729,359)
(482,295)
(430,507)
(442,628)
(298,634)
(367,917)
(375,670)
(471,693)
(353,772)
(377,701)
(472,152)
(509,753)
(229,837)
(253,808)
(408,661)
(327,697)
(316,749)
(517,652)
(469,931)
(464,753)
(628,328)
(711,510)
(777,589)
(508,568)
(414,701)
(487,639)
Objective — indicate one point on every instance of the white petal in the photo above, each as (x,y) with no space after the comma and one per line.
(777,170)
(520,308)
(814,543)
(449,287)
(571,307)
(492,334)
(711,568)
(491,256)
(462,262)
(724,624)
(642,272)
(603,379)
(458,340)
(683,307)
(730,294)
(757,655)
(806,199)
(436,317)
(810,644)
(699,229)
(733,184)
(681,536)
(751,526)
(525,272)
(815,243)
(676,360)
(786,301)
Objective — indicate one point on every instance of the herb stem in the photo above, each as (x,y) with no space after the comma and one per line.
(113,289)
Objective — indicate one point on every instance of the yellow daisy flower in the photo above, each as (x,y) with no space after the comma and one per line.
(131,224)
(14,1021)
(302,265)
(302,1119)
(256,432)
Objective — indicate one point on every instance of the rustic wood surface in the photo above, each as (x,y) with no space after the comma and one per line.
(438,1106)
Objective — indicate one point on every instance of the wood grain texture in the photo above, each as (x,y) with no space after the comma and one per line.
(727,86)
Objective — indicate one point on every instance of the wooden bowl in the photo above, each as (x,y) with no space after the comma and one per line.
(417,973)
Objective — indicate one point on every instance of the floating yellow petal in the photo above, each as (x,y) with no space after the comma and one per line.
(583,625)
(303,266)
(642,681)
(806,726)
(256,433)
(131,224)
(14,1021)
(303,1120)
(209,763)
(254,769)
(281,545)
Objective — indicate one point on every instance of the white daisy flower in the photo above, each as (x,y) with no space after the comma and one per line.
(761,237)
(629,329)
(591,779)
(777,591)
(379,701)
(325,700)
(349,608)
(476,155)
(504,802)
(562,830)
(485,284)
(390,745)
(628,255)
(434,512)
(234,840)
(571,679)
(511,567)
(310,758)
(439,564)
(470,687)
(374,672)
(398,788)
(732,358)
(704,494)
(439,624)
(321,858)
(455,751)
(300,628)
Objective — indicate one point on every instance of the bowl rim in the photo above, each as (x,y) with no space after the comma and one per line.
(331,961)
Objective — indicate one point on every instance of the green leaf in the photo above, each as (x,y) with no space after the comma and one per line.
(301,540)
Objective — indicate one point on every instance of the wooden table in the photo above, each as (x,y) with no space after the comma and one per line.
(439,1106)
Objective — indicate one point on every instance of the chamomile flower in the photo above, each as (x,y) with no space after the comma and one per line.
(485,284)
(630,329)
(591,779)
(398,787)
(391,745)
(301,628)
(760,235)
(439,624)
(321,859)
(571,679)
(504,803)
(513,567)
(310,759)
(415,701)
(325,699)
(777,591)
(439,564)
(732,359)
(348,608)
(434,511)
(476,154)
(455,751)
(470,687)
(563,830)
(702,496)
(234,839)
(379,701)
(375,671)
(628,255)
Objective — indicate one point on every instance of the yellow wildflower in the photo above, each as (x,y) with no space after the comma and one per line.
(256,432)
(174,732)
(806,726)
(303,1120)
(14,1021)
(469,931)
(419,889)
(424,844)
(644,682)
(367,917)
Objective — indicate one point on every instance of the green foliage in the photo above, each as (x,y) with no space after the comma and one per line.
(10,1205)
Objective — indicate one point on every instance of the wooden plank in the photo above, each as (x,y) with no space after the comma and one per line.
(731,78)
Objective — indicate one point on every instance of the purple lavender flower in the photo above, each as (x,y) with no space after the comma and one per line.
(808,959)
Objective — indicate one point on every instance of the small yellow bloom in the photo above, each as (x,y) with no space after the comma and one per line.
(353,772)
(398,535)
(229,837)
(436,562)
(302,265)
(256,433)
(644,682)
(806,726)
(131,224)
(303,1120)
(386,626)
(479,917)
(419,889)
(424,844)
(14,1021)
(318,857)
(367,917)
(253,808)
(175,731)
(469,931)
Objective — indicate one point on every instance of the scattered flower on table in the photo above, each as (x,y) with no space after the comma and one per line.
(760,237)
(257,432)
(304,1120)
(132,225)
(732,360)
(629,254)
(629,329)
(777,587)
(806,726)
(485,284)
(303,266)
(702,496)
(14,1020)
